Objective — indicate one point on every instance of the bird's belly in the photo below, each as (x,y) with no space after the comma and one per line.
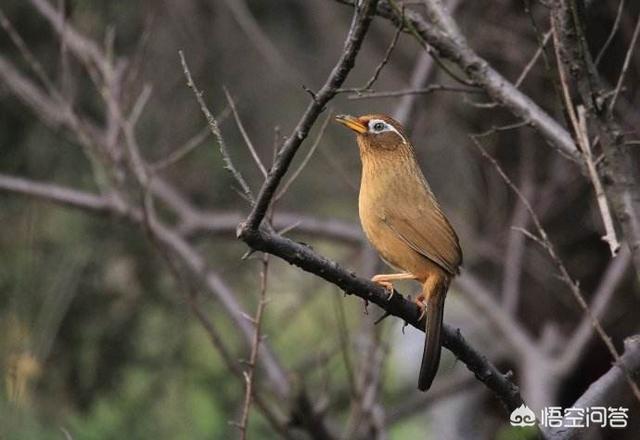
(392,249)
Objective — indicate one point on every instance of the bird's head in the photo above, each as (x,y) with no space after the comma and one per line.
(376,132)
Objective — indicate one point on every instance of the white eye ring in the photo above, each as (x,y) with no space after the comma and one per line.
(378,126)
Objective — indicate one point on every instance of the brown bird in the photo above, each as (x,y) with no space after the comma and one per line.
(403,221)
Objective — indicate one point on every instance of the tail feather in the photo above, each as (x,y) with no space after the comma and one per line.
(433,338)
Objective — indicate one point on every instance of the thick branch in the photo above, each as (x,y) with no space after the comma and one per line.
(618,169)
(303,256)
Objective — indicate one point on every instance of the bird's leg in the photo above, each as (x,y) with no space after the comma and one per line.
(386,280)
(427,290)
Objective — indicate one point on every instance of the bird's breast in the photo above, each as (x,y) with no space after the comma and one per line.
(402,193)
(376,198)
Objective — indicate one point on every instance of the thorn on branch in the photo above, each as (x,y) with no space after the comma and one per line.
(380,319)
(311,93)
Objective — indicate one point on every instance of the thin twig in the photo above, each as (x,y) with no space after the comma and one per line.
(191,144)
(249,373)
(421,91)
(342,331)
(533,60)
(609,283)
(609,388)
(215,130)
(610,232)
(26,53)
(306,159)
(179,153)
(544,241)
(140,104)
(612,34)
(578,120)
(243,132)
(564,84)
(514,255)
(483,75)
(625,65)
(261,41)
(400,17)
(379,67)
(359,26)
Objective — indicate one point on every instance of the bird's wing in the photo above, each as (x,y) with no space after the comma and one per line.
(428,232)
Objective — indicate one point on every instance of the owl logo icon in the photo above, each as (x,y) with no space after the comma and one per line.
(522,416)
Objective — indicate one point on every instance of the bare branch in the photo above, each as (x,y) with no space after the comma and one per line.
(609,282)
(48,109)
(614,29)
(179,153)
(189,257)
(512,331)
(244,134)
(625,65)
(514,256)
(378,68)
(249,373)
(618,169)
(533,60)
(610,232)
(26,53)
(226,222)
(420,91)
(302,256)
(451,45)
(450,386)
(261,40)
(544,241)
(83,48)
(608,390)
(306,159)
(215,130)
(59,194)
(357,31)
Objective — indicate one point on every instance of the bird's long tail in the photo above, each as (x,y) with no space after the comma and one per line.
(435,294)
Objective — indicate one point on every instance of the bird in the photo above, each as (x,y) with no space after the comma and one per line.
(403,221)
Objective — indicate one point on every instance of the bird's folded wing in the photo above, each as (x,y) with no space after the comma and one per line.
(428,232)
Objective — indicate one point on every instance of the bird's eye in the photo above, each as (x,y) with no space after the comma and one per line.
(378,126)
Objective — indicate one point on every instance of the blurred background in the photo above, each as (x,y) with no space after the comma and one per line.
(103,338)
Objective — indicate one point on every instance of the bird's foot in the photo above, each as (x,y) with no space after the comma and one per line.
(422,305)
(388,286)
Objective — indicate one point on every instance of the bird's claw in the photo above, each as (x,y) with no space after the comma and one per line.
(422,306)
(387,286)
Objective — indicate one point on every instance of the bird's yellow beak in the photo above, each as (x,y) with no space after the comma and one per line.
(352,123)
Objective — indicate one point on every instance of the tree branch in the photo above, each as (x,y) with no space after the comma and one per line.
(442,35)
(358,30)
(618,169)
(303,256)
(607,391)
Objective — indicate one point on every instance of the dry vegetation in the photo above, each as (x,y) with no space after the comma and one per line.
(171,182)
